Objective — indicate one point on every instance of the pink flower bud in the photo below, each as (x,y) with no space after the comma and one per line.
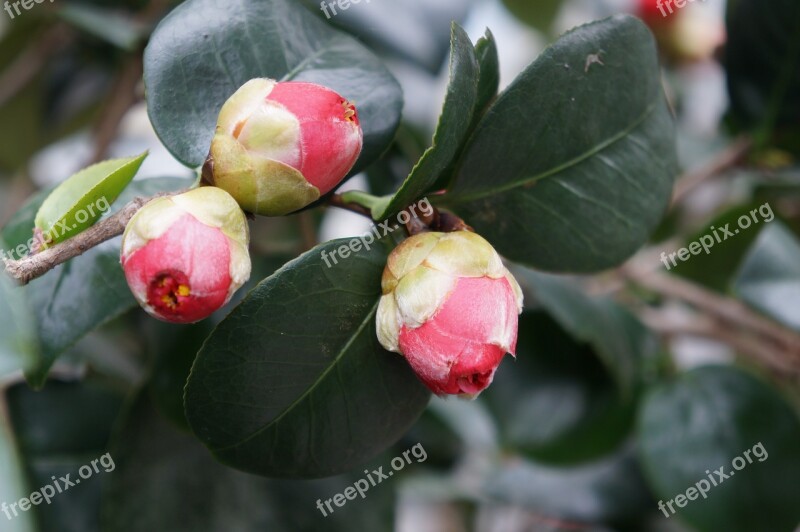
(184,256)
(281,145)
(451,308)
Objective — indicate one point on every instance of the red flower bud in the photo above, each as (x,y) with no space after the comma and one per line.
(451,308)
(184,256)
(281,145)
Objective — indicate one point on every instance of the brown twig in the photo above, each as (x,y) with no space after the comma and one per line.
(735,315)
(308,230)
(705,326)
(32,267)
(336,201)
(725,160)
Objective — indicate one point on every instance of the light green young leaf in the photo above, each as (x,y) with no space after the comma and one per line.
(81,200)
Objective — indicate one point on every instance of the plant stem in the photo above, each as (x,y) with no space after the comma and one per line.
(34,266)
(726,311)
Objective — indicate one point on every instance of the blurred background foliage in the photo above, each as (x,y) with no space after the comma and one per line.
(586,430)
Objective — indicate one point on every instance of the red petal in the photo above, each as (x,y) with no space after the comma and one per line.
(331,138)
(453,351)
(189,254)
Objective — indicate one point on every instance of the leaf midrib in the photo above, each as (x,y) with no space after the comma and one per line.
(367,320)
(451,198)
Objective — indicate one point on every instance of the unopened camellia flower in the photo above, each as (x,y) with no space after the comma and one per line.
(281,145)
(184,256)
(451,308)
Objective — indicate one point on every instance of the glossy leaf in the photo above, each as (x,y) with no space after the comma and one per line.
(80,201)
(82,294)
(459,108)
(489,79)
(769,277)
(705,420)
(293,383)
(563,173)
(204,50)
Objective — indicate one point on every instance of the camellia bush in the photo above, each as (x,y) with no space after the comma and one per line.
(537,381)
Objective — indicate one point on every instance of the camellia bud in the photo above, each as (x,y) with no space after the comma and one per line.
(281,145)
(451,308)
(184,256)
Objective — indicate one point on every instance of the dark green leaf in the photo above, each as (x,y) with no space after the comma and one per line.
(762,54)
(618,338)
(717,268)
(60,429)
(82,294)
(705,420)
(769,278)
(572,167)
(293,383)
(556,402)
(204,50)
(459,108)
(167,481)
(489,79)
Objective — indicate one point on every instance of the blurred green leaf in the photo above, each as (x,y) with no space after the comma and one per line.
(621,342)
(293,383)
(459,107)
(118,29)
(203,51)
(18,341)
(762,53)
(59,216)
(557,402)
(540,14)
(559,175)
(717,268)
(769,278)
(610,490)
(691,427)
(167,481)
(82,294)
(14,484)
(61,428)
